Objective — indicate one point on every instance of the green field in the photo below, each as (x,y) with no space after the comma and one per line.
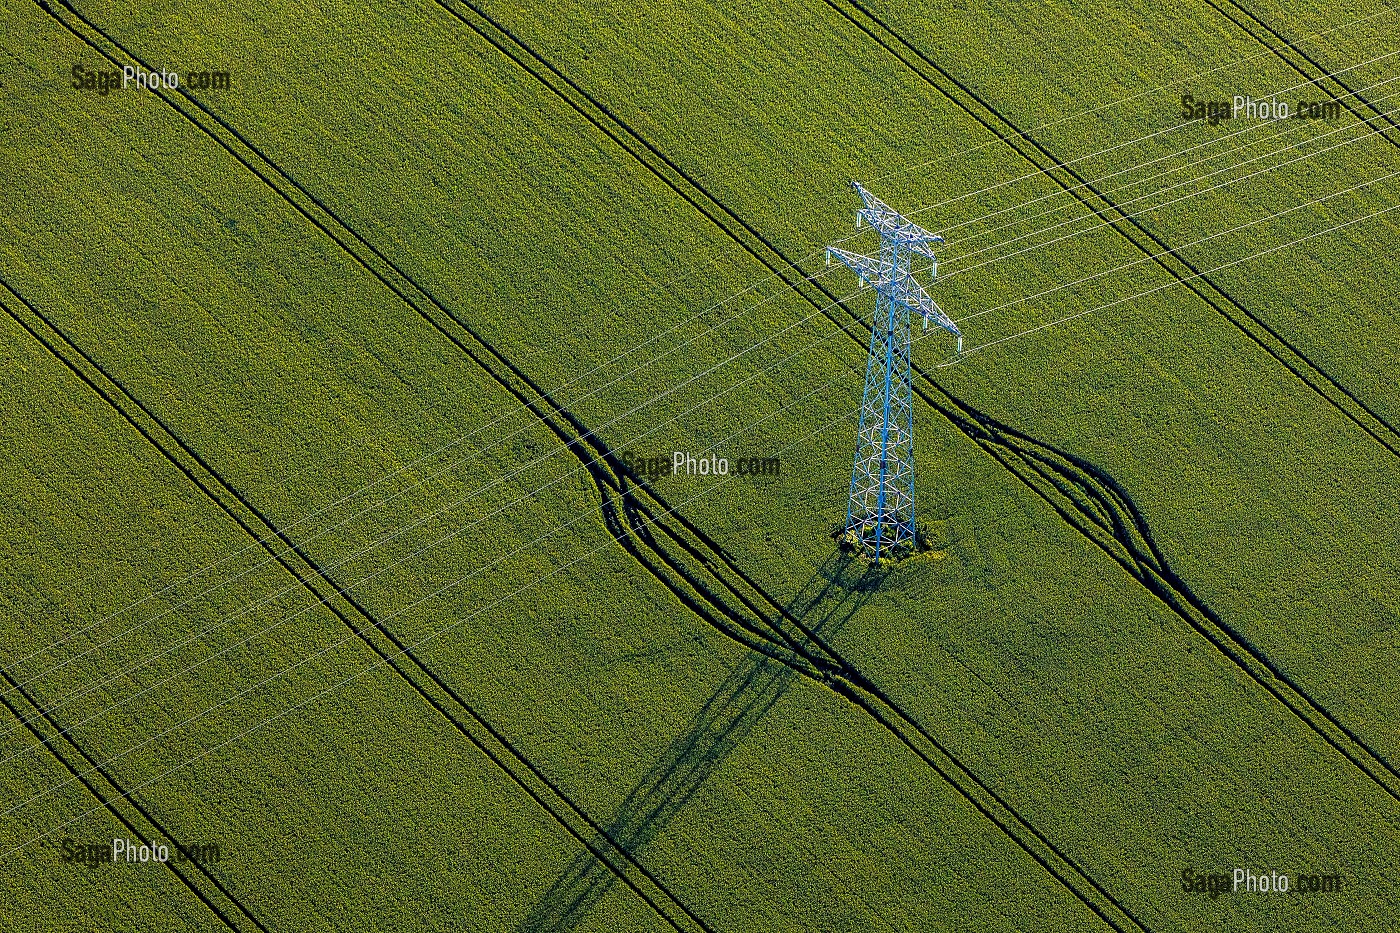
(320,549)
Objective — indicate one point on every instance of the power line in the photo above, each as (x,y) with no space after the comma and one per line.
(403,529)
(762,280)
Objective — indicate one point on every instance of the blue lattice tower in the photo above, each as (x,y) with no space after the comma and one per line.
(880,514)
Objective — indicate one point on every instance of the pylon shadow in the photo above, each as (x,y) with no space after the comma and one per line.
(826,601)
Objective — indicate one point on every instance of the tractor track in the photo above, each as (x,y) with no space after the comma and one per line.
(55,741)
(712,585)
(96,775)
(381,640)
(972,423)
(1085,496)
(1281,46)
(1137,233)
(390,276)
(841,677)
(1136,551)
(1094,506)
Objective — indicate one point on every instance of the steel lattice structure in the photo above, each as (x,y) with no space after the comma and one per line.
(880,514)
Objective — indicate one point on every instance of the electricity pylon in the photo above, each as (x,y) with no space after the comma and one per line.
(880,513)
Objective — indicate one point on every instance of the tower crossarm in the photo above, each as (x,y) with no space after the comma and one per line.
(906,291)
(871,271)
(892,225)
(896,284)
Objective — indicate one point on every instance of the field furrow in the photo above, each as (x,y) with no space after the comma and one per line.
(336,597)
(591,452)
(339,391)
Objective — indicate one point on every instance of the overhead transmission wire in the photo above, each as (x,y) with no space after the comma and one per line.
(475,454)
(224,584)
(1114,221)
(457,441)
(1302,40)
(1297,125)
(1175,249)
(398,612)
(767,277)
(831,335)
(734,247)
(391,535)
(812,277)
(395,533)
(1339,226)
(1068,189)
(294,585)
(393,655)
(73,697)
(1038,172)
(456,582)
(1184,279)
(382,502)
(1367,134)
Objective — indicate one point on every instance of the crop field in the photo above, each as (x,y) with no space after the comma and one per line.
(340,562)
